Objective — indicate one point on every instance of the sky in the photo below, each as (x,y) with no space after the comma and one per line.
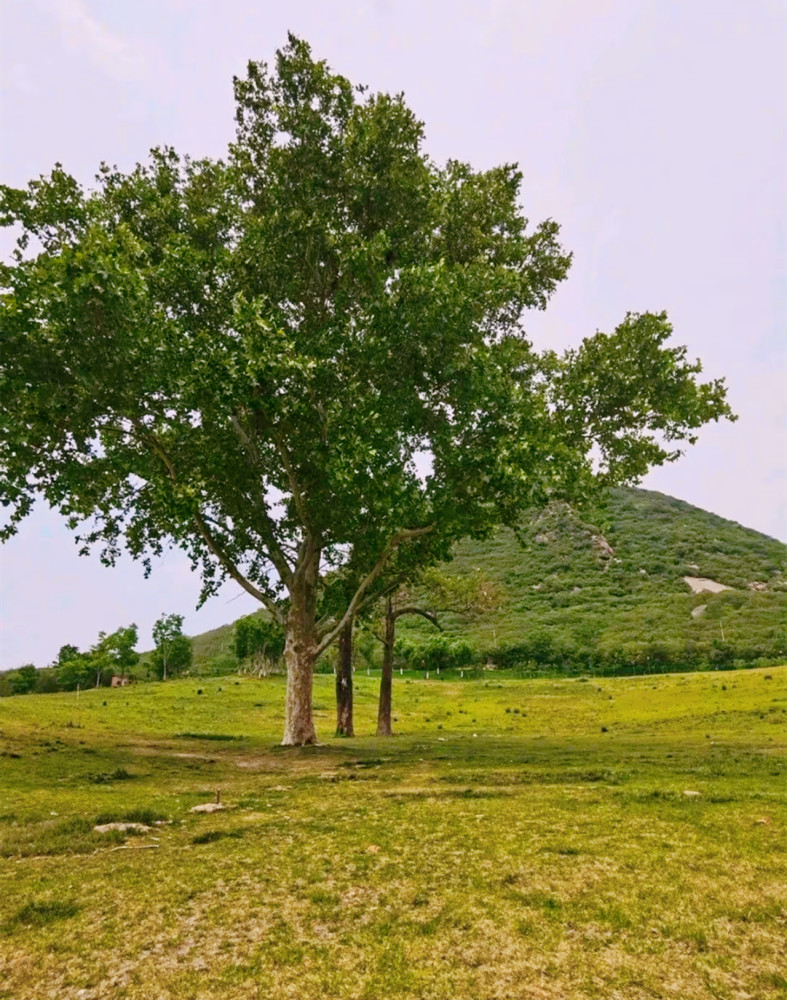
(653,131)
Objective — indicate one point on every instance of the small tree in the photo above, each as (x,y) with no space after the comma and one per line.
(23,680)
(180,658)
(73,669)
(344,682)
(259,644)
(172,651)
(114,653)
(66,653)
(468,595)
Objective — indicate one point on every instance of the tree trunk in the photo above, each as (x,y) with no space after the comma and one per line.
(386,681)
(298,721)
(344,683)
(299,654)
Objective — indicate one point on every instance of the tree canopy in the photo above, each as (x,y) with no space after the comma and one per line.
(310,351)
(113,653)
(258,643)
(173,652)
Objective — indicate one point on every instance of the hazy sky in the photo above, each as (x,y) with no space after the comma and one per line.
(654,132)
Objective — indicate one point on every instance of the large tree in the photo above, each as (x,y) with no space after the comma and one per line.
(311,348)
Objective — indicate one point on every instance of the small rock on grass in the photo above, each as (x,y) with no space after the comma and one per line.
(123,827)
(690,794)
(208,807)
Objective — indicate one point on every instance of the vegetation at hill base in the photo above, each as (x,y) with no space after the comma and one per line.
(613,597)
(570,606)
(567,839)
(113,654)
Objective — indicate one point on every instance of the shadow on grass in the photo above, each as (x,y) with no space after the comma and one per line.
(38,914)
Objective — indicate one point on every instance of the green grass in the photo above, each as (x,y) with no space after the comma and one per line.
(532,839)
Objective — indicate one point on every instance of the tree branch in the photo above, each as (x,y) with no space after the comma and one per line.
(419,611)
(410,611)
(297,496)
(275,550)
(232,569)
(146,436)
(352,608)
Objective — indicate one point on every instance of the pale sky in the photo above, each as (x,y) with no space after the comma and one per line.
(654,132)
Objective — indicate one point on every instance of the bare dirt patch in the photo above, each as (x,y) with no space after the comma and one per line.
(703,585)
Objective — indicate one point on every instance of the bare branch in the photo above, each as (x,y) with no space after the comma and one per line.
(419,611)
(281,447)
(246,440)
(232,569)
(409,611)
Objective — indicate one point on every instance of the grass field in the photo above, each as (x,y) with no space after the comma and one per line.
(518,839)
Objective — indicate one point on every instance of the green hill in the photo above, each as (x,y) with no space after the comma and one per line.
(580,596)
(577,594)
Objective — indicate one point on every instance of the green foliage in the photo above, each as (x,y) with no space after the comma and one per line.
(244,358)
(114,653)
(77,671)
(23,679)
(599,381)
(173,653)
(180,655)
(571,604)
(66,653)
(258,644)
(470,595)
(166,631)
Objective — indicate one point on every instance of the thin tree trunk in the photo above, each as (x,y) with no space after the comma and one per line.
(299,655)
(386,681)
(344,683)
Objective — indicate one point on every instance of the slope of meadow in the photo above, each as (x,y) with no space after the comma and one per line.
(517,839)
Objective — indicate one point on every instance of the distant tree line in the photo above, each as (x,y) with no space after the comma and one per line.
(113,654)
(542,652)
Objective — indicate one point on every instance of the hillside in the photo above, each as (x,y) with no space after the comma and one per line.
(574,588)
(582,594)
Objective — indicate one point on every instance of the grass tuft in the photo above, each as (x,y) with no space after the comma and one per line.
(143,816)
(220,737)
(119,774)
